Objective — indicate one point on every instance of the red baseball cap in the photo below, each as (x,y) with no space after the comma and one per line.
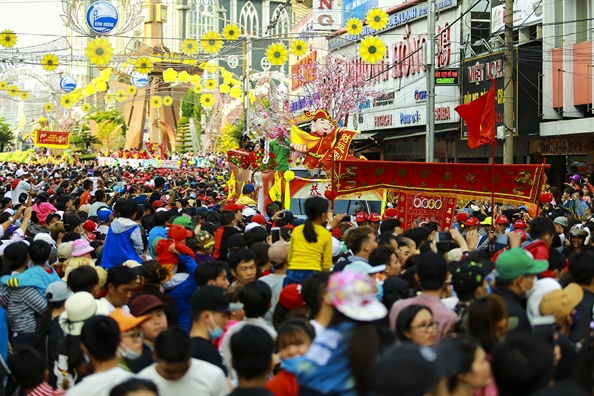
(290,297)
(178,233)
(233,207)
(89,226)
(361,217)
(502,219)
(158,203)
(471,222)
(519,224)
(258,218)
(374,217)
(521,233)
(462,217)
(390,213)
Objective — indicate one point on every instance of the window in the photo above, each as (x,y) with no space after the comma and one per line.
(581,27)
(280,23)
(170,27)
(248,19)
(558,24)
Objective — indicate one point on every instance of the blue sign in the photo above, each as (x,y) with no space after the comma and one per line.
(139,80)
(102,17)
(68,83)
(357,8)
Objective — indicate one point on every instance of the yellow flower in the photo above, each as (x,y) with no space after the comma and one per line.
(184,77)
(195,79)
(108,98)
(131,90)
(99,51)
(156,102)
(354,26)
(235,92)
(276,54)
(144,65)
(198,88)
(211,42)
(252,97)
(298,47)
(24,95)
(121,95)
(3,85)
(48,107)
(170,75)
(67,101)
(207,100)
(89,89)
(231,32)
(224,88)
(7,38)
(77,94)
(167,100)
(13,90)
(189,46)
(210,84)
(49,62)
(376,18)
(101,86)
(86,107)
(372,49)
(226,74)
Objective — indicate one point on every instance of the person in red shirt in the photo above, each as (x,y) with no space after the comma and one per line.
(85,198)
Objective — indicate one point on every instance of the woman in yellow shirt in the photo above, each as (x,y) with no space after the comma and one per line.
(310,250)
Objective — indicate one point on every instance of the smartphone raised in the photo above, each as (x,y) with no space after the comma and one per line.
(275,233)
(443,237)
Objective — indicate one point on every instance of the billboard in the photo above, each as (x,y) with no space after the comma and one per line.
(526,13)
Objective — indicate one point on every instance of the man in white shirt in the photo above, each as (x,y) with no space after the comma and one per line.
(100,338)
(177,373)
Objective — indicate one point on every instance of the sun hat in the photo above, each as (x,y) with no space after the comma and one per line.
(178,233)
(57,291)
(364,268)
(541,287)
(184,222)
(203,239)
(145,303)
(212,298)
(351,293)
(560,303)
(516,262)
(278,252)
(126,321)
(45,237)
(65,250)
(290,297)
(78,308)
(80,247)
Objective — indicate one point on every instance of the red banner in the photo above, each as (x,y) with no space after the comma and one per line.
(416,209)
(513,183)
(52,139)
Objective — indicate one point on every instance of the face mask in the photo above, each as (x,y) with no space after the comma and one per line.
(215,333)
(530,291)
(128,353)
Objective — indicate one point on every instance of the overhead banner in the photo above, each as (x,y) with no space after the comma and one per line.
(52,139)
(416,209)
(513,183)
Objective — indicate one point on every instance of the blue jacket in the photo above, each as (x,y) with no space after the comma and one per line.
(181,294)
(36,276)
(122,243)
(154,235)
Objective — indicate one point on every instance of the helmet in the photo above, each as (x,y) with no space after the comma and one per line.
(580,230)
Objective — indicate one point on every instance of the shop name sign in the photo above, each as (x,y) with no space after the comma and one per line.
(447,77)
(392,119)
(482,71)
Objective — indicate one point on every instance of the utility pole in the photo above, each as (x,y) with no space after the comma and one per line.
(508,94)
(247,86)
(430,74)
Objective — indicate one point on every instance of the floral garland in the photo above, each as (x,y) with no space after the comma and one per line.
(269,165)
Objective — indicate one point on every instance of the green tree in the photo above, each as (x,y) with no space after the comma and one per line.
(192,109)
(6,135)
(84,140)
(114,116)
(183,140)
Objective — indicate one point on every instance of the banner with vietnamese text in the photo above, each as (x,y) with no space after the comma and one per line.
(52,139)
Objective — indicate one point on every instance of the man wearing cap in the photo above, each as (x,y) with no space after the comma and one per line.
(248,196)
(237,209)
(210,314)
(469,280)
(20,185)
(516,277)
(361,219)
(560,223)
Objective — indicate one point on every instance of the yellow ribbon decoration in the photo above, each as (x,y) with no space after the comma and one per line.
(289,176)
(384,201)
(231,185)
(275,192)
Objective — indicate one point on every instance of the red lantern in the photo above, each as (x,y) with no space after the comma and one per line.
(330,194)
(546,198)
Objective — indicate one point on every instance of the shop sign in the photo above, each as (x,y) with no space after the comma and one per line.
(447,77)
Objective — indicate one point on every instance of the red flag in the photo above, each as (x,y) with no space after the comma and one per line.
(479,116)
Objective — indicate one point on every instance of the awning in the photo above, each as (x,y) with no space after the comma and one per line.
(421,133)
(364,136)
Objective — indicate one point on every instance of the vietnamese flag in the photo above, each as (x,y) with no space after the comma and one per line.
(479,116)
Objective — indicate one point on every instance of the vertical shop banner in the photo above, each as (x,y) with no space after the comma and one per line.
(416,209)
(52,139)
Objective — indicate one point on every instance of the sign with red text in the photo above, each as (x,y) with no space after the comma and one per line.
(327,15)
(52,139)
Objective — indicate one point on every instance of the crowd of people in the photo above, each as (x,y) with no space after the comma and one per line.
(126,282)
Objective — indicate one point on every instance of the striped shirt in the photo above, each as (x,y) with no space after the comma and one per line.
(21,305)
(44,389)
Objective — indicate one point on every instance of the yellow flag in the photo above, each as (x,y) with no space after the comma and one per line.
(231,186)
(275,191)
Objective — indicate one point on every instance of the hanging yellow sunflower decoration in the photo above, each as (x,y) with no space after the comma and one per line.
(195,79)
(298,47)
(89,90)
(67,101)
(13,91)
(24,95)
(189,46)
(49,62)
(354,26)
(86,107)
(7,38)
(207,100)
(121,95)
(170,75)
(156,102)
(109,98)
(224,88)
(372,49)
(131,90)
(48,107)
(376,18)
(231,32)
(99,51)
(198,88)
(144,65)
(184,77)
(167,100)
(101,86)
(235,92)
(210,84)
(276,54)
(3,85)
(211,42)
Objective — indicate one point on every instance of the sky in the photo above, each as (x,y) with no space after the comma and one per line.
(34,21)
